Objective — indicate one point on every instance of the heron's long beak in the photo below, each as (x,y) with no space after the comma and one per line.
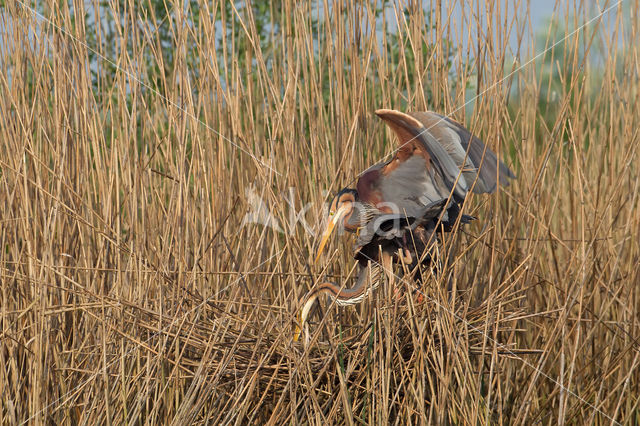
(330,227)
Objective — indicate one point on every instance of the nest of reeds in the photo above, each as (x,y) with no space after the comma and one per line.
(224,351)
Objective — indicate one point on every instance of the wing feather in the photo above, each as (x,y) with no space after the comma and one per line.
(490,170)
(436,157)
(451,142)
(416,140)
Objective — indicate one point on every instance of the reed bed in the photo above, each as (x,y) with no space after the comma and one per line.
(164,172)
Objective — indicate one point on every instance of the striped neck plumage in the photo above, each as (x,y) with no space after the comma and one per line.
(362,214)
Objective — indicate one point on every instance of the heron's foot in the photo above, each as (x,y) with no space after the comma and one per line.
(397,293)
(418,297)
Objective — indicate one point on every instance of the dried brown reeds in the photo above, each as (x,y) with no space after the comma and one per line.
(136,148)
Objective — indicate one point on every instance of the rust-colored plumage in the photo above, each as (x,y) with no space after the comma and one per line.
(397,205)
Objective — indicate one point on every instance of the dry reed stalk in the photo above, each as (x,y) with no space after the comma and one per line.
(131,291)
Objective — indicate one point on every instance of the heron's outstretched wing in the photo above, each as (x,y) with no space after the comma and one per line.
(431,163)
(419,146)
(470,154)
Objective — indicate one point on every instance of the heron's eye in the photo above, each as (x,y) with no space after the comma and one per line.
(331,213)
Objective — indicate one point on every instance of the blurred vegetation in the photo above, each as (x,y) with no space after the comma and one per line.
(101,29)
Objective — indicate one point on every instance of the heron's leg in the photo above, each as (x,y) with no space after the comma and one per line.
(387,266)
(386,261)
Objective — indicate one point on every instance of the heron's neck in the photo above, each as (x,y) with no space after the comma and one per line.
(350,296)
(361,214)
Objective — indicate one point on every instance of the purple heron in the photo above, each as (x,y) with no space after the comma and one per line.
(398,205)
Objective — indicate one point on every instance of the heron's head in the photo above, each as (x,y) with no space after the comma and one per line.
(341,208)
(302,316)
